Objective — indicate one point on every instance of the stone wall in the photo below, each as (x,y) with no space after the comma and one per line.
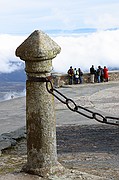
(62,79)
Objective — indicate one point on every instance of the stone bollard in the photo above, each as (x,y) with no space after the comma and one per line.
(37,51)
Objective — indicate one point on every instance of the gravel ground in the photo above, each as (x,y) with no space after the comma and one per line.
(91,149)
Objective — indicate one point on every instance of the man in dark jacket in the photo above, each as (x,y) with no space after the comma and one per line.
(70,74)
(92,74)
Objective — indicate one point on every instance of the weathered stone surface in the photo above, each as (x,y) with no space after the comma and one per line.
(37,51)
(41,128)
(68,175)
(4,143)
(10,139)
(38,45)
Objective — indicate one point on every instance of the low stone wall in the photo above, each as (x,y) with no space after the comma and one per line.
(62,79)
(114,76)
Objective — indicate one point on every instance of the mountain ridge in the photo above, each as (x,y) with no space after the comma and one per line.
(16,76)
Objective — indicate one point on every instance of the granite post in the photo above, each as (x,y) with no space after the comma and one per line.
(37,51)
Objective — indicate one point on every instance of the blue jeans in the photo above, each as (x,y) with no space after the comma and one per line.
(98,79)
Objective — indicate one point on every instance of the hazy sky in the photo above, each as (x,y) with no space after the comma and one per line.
(24,16)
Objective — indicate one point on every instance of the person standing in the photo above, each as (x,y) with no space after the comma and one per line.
(92,74)
(76,77)
(70,75)
(99,74)
(80,75)
(102,74)
(106,76)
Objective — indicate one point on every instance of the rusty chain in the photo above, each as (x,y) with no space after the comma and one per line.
(79,109)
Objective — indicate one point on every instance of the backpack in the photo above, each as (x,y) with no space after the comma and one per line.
(70,72)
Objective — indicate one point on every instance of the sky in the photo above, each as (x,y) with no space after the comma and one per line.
(24,16)
(18,19)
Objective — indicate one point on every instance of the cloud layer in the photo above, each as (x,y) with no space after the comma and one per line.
(8,61)
(99,48)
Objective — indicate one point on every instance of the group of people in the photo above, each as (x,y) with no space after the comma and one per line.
(75,75)
(99,75)
(96,75)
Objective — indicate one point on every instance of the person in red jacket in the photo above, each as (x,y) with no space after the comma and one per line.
(106,76)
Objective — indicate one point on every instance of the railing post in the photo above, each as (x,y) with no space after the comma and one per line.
(37,51)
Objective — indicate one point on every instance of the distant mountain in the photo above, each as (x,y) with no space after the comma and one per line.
(113,68)
(74,31)
(112,29)
(16,76)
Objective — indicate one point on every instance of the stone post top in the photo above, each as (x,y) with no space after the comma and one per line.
(37,47)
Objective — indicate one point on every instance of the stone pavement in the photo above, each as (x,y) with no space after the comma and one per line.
(103,98)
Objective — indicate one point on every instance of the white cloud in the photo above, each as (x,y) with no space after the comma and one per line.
(8,60)
(100,48)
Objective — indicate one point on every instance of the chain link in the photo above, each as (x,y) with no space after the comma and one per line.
(80,109)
